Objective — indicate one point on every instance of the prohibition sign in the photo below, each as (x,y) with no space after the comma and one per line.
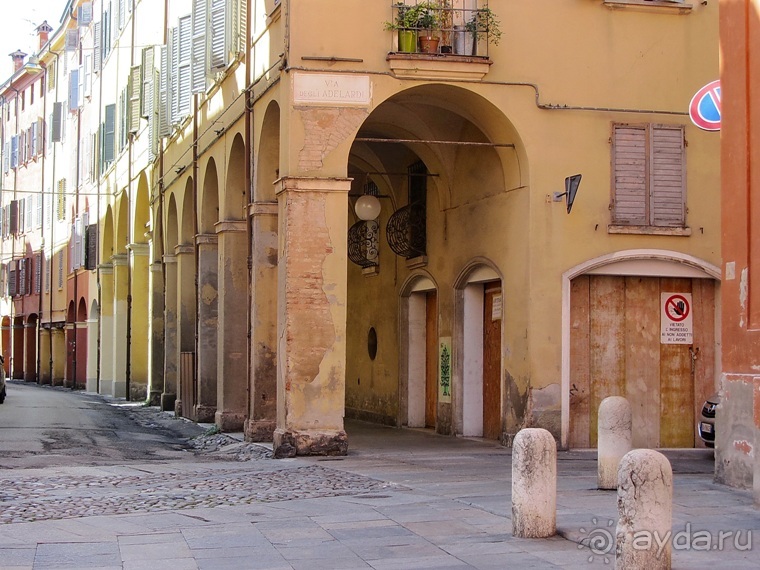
(704,108)
(677,308)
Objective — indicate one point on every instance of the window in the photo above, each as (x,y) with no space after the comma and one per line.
(61,200)
(51,75)
(649,175)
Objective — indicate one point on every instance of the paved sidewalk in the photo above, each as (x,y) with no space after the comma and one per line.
(401,499)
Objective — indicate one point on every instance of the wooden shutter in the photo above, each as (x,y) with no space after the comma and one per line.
(50,73)
(12,284)
(199,45)
(109,132)
(14,217)
(164,92)
(239,33)
(183,79)
(629,167)
(134,98)
(91,238)
(6,157)
(668,176)
(14,151)
(56,126)
(97,46)
(146,79)
(218,36)
(40,136)
(72,40)
(21,276)
(84,14)
(38,273)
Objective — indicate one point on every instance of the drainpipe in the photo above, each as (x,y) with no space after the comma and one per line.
(249,190)
(52,237)
(76,272)
(128,371)
(42,233)
(195,245)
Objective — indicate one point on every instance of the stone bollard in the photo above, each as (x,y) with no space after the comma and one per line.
(645,505)
(614,441)
(534,484)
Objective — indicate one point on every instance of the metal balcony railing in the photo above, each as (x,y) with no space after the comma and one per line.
(444,27)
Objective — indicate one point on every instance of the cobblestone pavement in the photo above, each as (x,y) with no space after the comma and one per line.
(27,499)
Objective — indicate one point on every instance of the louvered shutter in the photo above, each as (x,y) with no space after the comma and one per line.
(33,140)
(183,79)
(199,45)
(12,289)
(38,273)
(164,90)
(6,157)
(122,13)
(40,136)
(38,220)
(29,221)
(21,272)
(238,34)
(153,118)
(50,74)
(218,34)
(91,259)
(668,176)
(14,217)
(84,14)
(630,175)
(134,98)
(57,127)
(148,63)
(72,40)
(109,132)
(14,151)
(97,47)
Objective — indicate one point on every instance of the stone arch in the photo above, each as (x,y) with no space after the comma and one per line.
(209,214)
(267,159)
(235,198)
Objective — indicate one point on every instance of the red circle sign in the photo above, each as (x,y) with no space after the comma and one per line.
(704,108)
(677,308)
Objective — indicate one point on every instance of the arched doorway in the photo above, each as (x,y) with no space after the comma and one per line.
(30,349)
(449,171)
(80,364)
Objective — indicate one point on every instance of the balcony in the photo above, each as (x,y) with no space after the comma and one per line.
(435,39)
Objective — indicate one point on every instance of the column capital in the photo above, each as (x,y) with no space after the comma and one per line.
(139,248)
(106,268)
(262,209)
(206,239)
(156,267)
(184,248)
(120,259)
(170,258)
(231,226)
(306,184)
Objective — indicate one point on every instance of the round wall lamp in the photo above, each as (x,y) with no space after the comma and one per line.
(367,207)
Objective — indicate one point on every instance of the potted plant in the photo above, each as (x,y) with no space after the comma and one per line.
(428,22)
(406,24)
(446,24)
(483,22)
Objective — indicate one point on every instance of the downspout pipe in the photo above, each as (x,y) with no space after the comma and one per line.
(251,199)
(130,236)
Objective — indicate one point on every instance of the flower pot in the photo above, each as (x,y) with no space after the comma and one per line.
(429,44)
(407,41)
(465,42)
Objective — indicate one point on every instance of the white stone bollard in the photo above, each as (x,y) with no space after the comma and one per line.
(645,511)
(614,441)
(534,484)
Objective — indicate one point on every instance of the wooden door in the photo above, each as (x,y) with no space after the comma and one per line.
(431,358)
(492,363)
(616,349)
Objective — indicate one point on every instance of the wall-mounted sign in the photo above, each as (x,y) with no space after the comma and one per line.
(496,309)
(676,319)
(331,89)
(704,109)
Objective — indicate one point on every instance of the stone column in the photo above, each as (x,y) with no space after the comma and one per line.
(156,346)
(92,355)
(534,484)
(171,348)
(59,356)
(140,325)
(614,439)
(232,389)
(120,288)
(645,505)
(208,324)
(263,382)
(30,352)
(186,315)
(311,324)
(106,328)
(45,348)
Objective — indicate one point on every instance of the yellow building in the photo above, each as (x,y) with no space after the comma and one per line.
(237,281)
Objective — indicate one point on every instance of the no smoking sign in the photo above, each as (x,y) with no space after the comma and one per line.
(676,320)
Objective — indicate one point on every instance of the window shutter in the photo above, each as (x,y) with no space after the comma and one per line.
(218,29)
(668,176)
(84,15)
(164,91)
(14,217)
(122,13)
(61,200)
(14,151)
(74,89)
(38,273)
(60,269)
(146,80)
(76,258)
(38,219)
(12,289)
(6,157)
(87,75)
(199,45)
(40,136)
(630,174)
(109,132)
(56,126)
(21,276)
(106,32)
(91,259)
(239,34)
(50,73)
(96,39)
(33,140)
(29,221)
(72,40)
(183,79)
(153,118)
(135,85)
(48,277)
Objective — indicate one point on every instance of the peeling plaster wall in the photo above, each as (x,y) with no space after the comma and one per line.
(735,432)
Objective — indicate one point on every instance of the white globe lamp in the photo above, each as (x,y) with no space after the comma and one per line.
(367,207)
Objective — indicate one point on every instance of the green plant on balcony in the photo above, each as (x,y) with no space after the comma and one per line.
(405,23)
(483,23)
